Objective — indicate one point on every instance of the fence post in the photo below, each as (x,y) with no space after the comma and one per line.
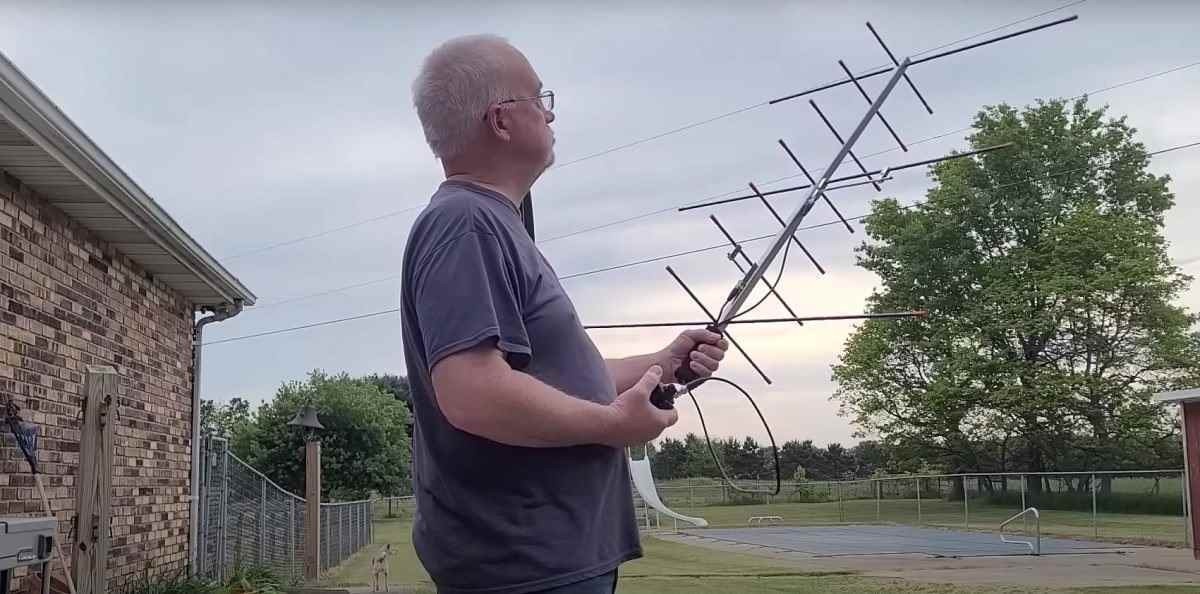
(918,502)
(878,496)
(841,503)
(966,507)
(1095,524)
(1024,506)
(292,534)
(262,522)
(222,574)
(1187,520)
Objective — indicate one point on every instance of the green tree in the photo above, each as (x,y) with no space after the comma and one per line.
(396,385)
(1050,298)
(671,460)
(837,462)
(364,445)
(869,456)
(225,420)
(748,460)
(699,458)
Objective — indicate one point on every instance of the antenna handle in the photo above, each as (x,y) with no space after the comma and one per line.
(664,395)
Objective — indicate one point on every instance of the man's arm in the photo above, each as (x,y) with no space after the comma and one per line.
(480,394)
(626,371)
(704,361)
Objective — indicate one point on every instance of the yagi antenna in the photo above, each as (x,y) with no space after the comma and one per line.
(884,173)
(753,271)
(738,251)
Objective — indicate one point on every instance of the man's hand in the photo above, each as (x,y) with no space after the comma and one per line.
(637,421)
(704,361)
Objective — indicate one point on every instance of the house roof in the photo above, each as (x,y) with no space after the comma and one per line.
(42,147)
(1192,395)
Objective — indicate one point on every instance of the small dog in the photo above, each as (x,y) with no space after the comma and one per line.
(379,568)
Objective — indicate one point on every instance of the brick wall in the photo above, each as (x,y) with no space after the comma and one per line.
(68,300)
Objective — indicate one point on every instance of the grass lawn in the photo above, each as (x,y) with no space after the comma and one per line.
(670,568)
(1132,528)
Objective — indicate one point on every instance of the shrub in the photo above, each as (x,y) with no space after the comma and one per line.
(1118,503)
(245,580)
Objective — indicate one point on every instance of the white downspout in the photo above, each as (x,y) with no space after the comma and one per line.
(223,313)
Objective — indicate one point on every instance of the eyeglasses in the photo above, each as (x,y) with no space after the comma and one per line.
(546,98)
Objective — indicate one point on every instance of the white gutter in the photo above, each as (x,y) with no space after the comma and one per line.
(27,109)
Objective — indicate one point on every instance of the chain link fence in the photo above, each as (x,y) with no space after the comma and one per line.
(247,520)
(1129,506)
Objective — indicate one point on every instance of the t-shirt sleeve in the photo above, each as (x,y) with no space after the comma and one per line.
(466,293)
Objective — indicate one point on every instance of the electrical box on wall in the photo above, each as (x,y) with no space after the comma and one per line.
(24,542)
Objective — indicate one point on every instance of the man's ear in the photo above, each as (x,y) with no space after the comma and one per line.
(498,123)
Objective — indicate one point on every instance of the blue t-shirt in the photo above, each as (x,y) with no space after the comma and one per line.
(493,518)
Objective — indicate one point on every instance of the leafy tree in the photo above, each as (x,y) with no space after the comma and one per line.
(699,459)
(1050,298)
(396,385)
(748,462)
(671,460)
(802,454)
(869,457)
(229,420)
(837,462)
(364,445)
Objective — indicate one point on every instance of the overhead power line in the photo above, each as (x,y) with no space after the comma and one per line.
(272,246)
(726,245)
(304,327)
(269,304)
(644,140)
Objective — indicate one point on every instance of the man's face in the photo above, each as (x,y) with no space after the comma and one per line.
(532,137)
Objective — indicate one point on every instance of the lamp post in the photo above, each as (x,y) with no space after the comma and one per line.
(306,420)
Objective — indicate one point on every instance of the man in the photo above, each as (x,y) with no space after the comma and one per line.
(518,451)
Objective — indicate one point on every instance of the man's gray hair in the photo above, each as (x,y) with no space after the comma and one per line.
(457,82)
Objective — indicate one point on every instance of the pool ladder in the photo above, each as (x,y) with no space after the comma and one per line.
(1035,545)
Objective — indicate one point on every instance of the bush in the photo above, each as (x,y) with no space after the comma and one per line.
(178,583)
(254,580)
(245,580)
(1113,503)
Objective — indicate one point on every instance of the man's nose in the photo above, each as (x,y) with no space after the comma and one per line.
(549,116)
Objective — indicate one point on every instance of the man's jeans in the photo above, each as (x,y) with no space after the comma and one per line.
(601,584)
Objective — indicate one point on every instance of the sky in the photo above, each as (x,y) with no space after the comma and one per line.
(257,123)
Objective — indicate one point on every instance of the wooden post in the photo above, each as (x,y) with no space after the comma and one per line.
(93,493)
(312,510)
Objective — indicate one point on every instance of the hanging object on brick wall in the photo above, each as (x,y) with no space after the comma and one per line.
(26,435)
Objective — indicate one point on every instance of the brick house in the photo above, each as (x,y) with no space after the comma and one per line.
(92,271)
